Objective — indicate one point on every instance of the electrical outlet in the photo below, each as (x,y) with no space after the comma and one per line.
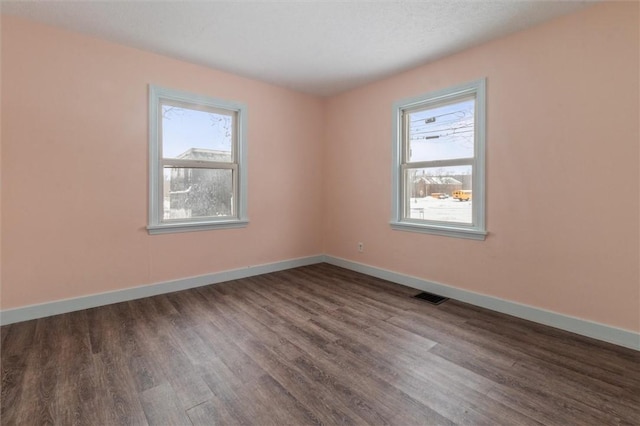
(360,247)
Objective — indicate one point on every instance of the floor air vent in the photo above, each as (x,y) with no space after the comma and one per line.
(431,298)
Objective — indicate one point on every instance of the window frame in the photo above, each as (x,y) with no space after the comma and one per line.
(157,224)
(477,229)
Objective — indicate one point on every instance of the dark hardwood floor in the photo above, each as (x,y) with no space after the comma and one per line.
(312,345)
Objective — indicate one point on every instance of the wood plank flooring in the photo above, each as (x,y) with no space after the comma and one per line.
(312,345)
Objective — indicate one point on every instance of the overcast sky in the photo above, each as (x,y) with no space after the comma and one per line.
(442,133)
(187,128)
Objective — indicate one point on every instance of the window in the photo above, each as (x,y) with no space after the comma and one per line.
(197,154)
(438,161)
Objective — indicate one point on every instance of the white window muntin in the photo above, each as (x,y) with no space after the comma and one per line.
(158,97)
(400,154)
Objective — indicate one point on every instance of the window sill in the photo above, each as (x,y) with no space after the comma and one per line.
(446,231)
(195,226)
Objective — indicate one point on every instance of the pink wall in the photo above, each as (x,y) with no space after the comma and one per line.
(74,169)
(562,170)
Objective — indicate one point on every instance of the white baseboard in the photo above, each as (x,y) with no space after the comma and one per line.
(41,310)
(583,327)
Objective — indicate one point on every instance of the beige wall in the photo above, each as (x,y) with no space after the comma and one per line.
(562,140)
(74,169)
(562,170)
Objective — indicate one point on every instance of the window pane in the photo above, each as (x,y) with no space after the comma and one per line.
(192,193)
(444,132)
(192,134)
(439,194)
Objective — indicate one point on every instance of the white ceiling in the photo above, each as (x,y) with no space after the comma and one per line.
(318,47)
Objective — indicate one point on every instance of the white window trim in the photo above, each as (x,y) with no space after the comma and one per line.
(475,231)
(156,212)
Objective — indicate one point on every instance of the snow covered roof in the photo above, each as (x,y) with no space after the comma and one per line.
(438,180)
(205,154)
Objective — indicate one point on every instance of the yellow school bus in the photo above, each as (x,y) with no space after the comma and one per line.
(462,194)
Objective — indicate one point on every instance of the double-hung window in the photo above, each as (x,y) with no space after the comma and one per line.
(197,167)
(438,162)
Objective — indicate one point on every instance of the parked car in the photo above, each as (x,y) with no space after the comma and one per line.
(440,195)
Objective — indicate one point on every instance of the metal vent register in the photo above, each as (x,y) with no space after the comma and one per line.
(431,298)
